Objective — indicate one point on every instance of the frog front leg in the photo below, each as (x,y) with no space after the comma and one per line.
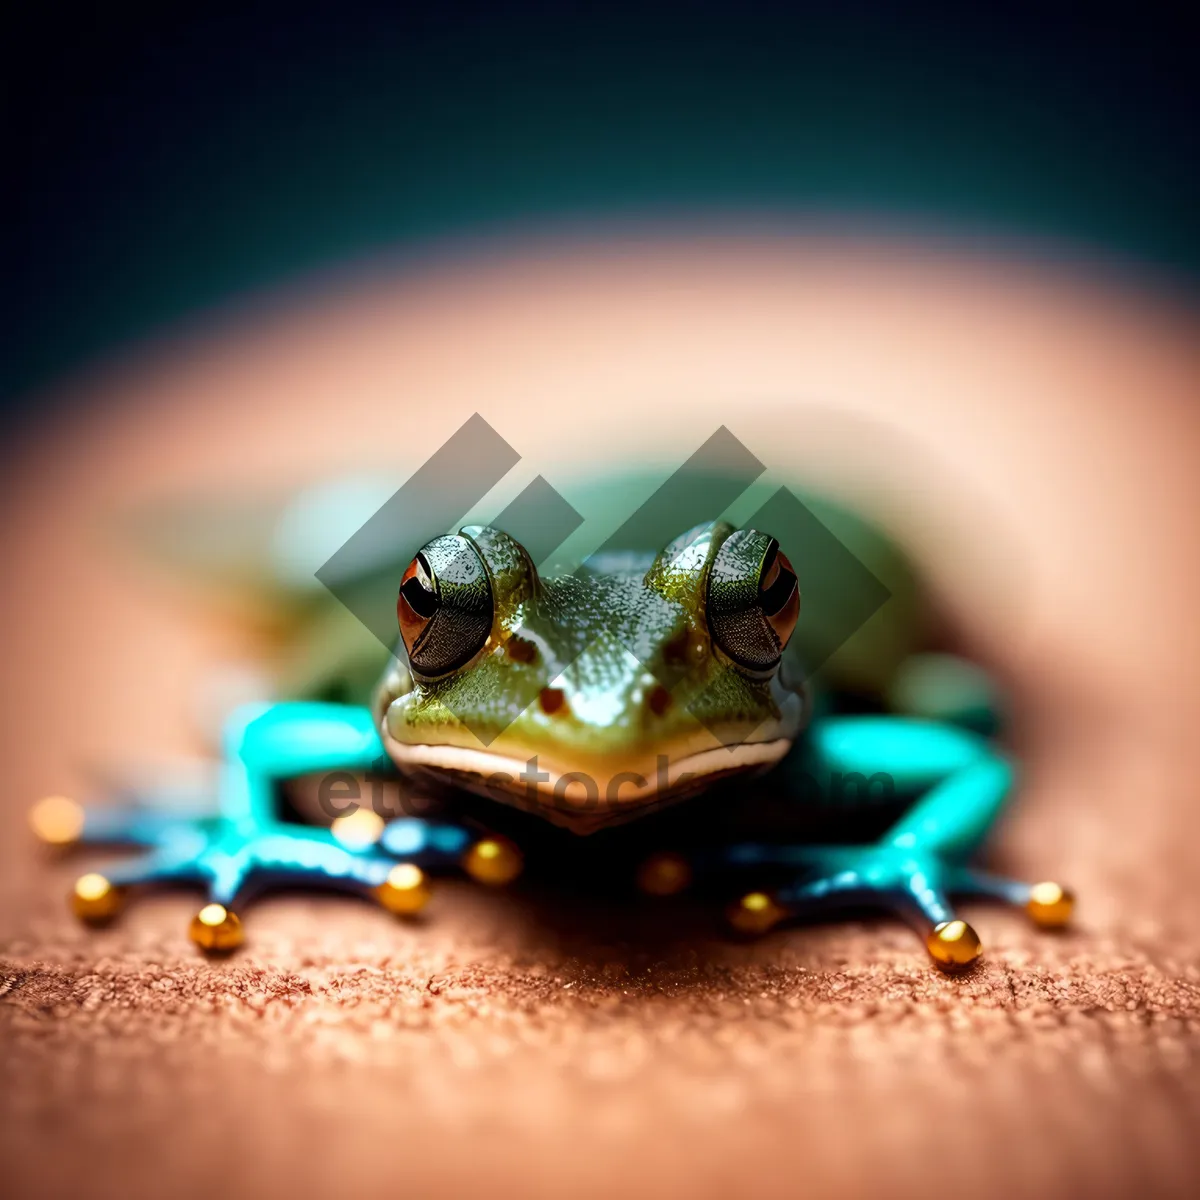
(243,847)
(961,784)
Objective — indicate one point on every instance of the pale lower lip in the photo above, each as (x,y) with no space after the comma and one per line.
(616,787)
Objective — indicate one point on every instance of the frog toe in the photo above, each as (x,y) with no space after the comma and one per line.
(953,945)
(216,929)
(755,913)
(1049,905)
(98,896)
(405,891)
(916,886)
(95,899)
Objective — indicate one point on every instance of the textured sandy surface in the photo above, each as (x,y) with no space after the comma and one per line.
(546,1044)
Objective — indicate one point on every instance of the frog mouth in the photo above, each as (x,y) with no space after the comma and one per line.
(583,798)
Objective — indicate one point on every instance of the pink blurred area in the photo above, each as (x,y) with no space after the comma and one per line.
(1027,427)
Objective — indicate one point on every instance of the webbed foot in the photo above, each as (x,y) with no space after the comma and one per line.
(959,784)
(237,846)
(917,885)
(231,860)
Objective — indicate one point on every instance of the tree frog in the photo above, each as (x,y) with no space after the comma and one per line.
(634,718)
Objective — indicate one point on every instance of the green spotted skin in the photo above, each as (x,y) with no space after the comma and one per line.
(624,641)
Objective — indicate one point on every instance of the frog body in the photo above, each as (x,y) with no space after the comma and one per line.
(583,708)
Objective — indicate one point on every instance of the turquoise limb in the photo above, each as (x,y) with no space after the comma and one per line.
(175,863)
(243,846)
(960,785)
(266,743)
(137,825)
(968,882)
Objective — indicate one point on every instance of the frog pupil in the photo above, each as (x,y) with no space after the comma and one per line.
(776,595)
(417,591)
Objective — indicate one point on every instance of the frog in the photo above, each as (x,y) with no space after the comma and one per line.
(627,719)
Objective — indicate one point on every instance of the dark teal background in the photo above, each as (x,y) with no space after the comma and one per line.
(160,163)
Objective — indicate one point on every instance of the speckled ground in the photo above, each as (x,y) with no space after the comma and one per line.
(485,1052)
(545,1044)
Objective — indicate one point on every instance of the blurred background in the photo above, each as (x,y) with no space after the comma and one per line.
(159,164)
(940,264)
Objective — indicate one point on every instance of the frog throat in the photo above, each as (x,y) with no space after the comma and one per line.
(578,797)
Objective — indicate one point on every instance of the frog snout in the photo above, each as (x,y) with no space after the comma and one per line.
(650,701)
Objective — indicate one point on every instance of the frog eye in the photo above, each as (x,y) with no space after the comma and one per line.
(445,606)
(753,599)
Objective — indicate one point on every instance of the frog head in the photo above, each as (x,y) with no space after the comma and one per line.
(594,695)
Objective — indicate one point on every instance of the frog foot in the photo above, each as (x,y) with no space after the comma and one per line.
(232,860)
(915,884)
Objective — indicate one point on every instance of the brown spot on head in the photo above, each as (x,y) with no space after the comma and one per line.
(520,649)
(552,701)
(675,652)
(659,700)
